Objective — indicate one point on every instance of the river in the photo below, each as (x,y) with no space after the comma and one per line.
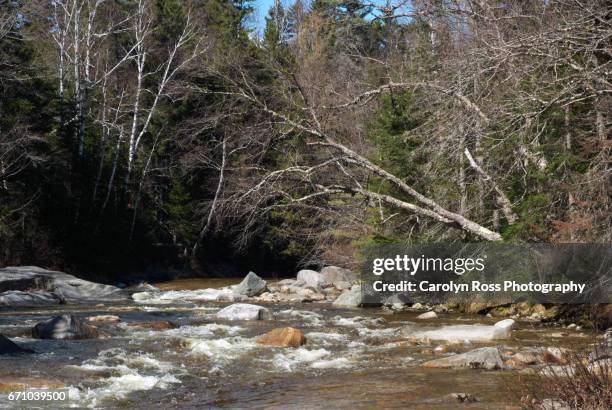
(353,358)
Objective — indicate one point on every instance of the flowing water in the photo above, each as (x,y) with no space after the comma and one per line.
(355,358)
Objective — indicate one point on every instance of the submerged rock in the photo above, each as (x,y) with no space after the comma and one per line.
(350,298)
(427,315)
(104,318)
(483,358)
(312,278)
(64,327)
(251,285)
(154,324)
(283,337)
(7,346)
(244,311)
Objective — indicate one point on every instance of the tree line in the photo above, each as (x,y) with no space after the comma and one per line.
(168,130)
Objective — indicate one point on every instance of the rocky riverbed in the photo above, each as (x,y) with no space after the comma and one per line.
(296,343)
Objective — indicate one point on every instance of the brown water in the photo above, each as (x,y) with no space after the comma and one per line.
(353,359)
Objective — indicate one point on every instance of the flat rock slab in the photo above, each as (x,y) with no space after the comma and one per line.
(244,311)
(472,333)
(31,285)
(483,358)
(33,298)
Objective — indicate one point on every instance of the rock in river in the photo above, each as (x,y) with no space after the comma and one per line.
(334,274)
(483,358)
(64,327)
(251,285)
(244,311)
(311,278)
(31,285)
(427,315)
(283,337)
(9,347)
(29,298)
(474,333)
(154,325)
(350,298)
(104,318)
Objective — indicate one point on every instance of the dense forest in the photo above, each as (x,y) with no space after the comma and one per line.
(136,133)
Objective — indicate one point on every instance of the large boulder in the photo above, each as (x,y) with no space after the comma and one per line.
(334,274)
(251,285)
(64,327)
(244,311)
(283,337)
(350,298)
(483,358)
(311,278)
(41,287)
(9,347)
(30,298)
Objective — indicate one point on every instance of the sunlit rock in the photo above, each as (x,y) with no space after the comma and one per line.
(474,333)
(312,278)
(244,311)
(334,274)
(104,318)
(283,337)
(350,298)
(427,315)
